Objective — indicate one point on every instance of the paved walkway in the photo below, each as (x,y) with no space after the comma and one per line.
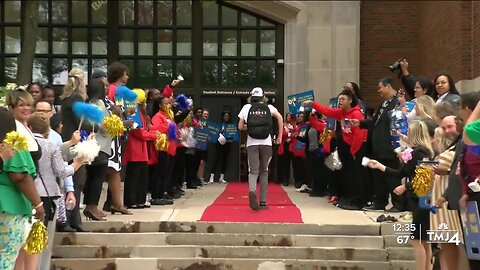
(190,208)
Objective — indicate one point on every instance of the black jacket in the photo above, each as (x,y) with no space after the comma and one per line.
(408,170)
(69,120)
(379,135)
(454,189)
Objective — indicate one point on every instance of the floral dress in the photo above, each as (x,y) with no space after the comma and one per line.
(15,209)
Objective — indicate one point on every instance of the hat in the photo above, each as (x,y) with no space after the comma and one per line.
(257,92)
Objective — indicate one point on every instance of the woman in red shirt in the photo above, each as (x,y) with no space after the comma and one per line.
(351,150)
(136,158)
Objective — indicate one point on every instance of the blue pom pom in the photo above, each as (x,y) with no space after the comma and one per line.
(125,93)
(182,102)
(172,132)
(88,112)
(434,209)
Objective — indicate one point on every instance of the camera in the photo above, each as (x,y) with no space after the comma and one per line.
(395,66)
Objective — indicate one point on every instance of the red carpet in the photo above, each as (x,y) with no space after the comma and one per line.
(232,206)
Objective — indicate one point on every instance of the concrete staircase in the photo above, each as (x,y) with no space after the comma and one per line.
(232,246)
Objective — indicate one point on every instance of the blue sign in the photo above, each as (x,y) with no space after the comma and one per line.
(135,116)
(410,105)
(200,135)
(231,132)
(213,129)
(295,101)
(331,122)
(471,230)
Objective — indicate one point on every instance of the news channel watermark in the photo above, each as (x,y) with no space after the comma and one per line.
(441,235)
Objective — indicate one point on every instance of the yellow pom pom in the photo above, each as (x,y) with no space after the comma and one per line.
(141,98)
(161,144)
(422,181)
(16,141)
(325,135)
(37,238)
(114,125)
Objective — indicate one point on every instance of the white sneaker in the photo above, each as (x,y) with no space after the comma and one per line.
(221,179)
(302,188)
(212,176)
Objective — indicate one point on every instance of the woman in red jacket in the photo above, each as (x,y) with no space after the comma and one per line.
(352,150)
(163,121)
(136,158)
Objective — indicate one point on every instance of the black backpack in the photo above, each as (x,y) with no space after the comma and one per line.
(259,121)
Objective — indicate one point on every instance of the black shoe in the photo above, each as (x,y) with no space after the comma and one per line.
(77,228)
(136,206)
(252,200)
(62,228)
(168,196)
(373,208)
(391,219)
(350,206)
(192,187)
(164,202)
(263,205)
(393,210)
(381,218)
(285,184)
(158,202)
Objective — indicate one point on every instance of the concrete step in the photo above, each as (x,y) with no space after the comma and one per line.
(402,265)
(213,264)
(219,239)
(231,227)
(401,253)
(167,252)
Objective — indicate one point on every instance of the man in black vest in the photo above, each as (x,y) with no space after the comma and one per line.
(380,139)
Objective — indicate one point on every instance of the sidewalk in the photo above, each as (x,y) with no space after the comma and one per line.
(190,208)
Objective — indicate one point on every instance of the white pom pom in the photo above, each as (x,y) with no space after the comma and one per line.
(88,149)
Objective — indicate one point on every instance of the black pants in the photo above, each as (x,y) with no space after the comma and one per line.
(162,178)
(384,184)
(151,178)
(79,178)
(96,175)
(299,172)
(179,167)
(354,174)
(191,168)
(135,186)
(319,172)
(221,157)
(284,163)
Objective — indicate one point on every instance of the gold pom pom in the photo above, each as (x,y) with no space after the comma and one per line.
(161,144)
(114,125)
(141,98)
(16,141)
(37,238)
(325,135)
(422,181)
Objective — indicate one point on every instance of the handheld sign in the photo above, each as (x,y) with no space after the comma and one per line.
(295,101)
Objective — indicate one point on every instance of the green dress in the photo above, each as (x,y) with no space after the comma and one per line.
(472,131)
(12,200)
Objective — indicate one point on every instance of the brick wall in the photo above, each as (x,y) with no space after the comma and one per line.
(386,34)
(445,39)
(476,39)
(435,37)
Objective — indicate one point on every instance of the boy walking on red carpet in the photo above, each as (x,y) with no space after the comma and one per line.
(256,119)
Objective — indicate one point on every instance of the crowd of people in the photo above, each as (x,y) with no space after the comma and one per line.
(51,177)
(358,158)
(379,155)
